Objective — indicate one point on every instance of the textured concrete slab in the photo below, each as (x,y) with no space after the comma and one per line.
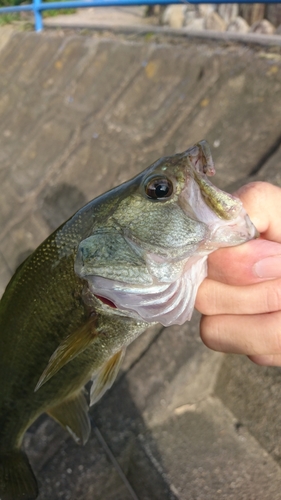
(214,460)
(66,110)
(79,115)
(271,170)
(251,393)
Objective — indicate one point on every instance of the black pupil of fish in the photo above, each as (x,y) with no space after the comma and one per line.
(159,189)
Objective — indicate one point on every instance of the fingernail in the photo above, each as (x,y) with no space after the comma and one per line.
(270,267)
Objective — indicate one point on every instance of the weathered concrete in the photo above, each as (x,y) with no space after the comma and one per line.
(79,115)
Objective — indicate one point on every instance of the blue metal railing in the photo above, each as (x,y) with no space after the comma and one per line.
(37,7)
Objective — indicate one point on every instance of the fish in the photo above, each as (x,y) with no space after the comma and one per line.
(132,257)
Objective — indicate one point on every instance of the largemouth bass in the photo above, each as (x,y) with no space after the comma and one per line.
(132,257)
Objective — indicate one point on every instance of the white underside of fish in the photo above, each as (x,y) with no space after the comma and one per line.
(165,303)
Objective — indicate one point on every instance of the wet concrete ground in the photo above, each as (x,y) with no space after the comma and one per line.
(80,114)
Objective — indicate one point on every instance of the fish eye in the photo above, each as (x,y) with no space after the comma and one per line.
(159,188)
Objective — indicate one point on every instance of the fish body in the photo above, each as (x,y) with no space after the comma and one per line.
(132,257)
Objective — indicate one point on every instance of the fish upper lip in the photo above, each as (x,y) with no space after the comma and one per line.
(201,161)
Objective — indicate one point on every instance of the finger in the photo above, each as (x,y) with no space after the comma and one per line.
(214,298)
(267,360)
(239,265)
(251,335)
(262,201)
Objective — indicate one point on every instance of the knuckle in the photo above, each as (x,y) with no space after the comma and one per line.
(205,331)
(254,196)
(204,299)
(273,296)
(266,360)
(258,188)
(276,342)
(210,334)
(253,189)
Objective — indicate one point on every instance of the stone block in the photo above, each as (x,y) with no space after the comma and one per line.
(214,22)
(174,16)
(252,12)
(273,13)
(263,27)
(228,11)
(253,394)
(238,25)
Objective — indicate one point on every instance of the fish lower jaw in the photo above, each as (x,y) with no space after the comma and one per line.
(233,232)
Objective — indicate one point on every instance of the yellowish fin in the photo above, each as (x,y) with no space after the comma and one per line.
(105,376)
(72,414)
(16,477)
(69,348)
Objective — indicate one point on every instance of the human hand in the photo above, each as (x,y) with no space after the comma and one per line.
(241,298)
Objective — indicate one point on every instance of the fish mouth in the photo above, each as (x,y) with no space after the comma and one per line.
(105,301)
(224,215)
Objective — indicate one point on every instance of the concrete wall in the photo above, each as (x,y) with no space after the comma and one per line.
(78,116)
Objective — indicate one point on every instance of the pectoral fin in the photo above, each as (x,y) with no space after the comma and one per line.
(69,348)
(72,414)
(105,376)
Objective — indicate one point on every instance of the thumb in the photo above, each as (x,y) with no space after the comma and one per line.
(249,263)
(259,259)
(262,202)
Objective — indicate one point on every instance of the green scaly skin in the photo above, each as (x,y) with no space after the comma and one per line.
(43,305)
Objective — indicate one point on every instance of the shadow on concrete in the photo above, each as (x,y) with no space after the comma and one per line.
(60,202)
(65,471)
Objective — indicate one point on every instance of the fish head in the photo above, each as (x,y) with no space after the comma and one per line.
(148,256)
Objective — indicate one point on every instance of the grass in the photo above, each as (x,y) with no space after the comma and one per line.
(9,18)
(58,12)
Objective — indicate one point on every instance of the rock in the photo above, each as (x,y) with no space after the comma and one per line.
(238,25)
(195,25)
(228,11)
(204,9)
(214,22)
(152,10)
(174,16)
(263,27)
(252,12)
(190,15)
(166,15)
(273,13)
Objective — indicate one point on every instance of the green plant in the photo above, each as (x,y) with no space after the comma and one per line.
(8,18)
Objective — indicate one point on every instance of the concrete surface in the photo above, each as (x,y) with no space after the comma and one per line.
(110,16)
(80,114)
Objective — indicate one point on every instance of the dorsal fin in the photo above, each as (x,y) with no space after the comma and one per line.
(105,376)
(72,414)
(68,349)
